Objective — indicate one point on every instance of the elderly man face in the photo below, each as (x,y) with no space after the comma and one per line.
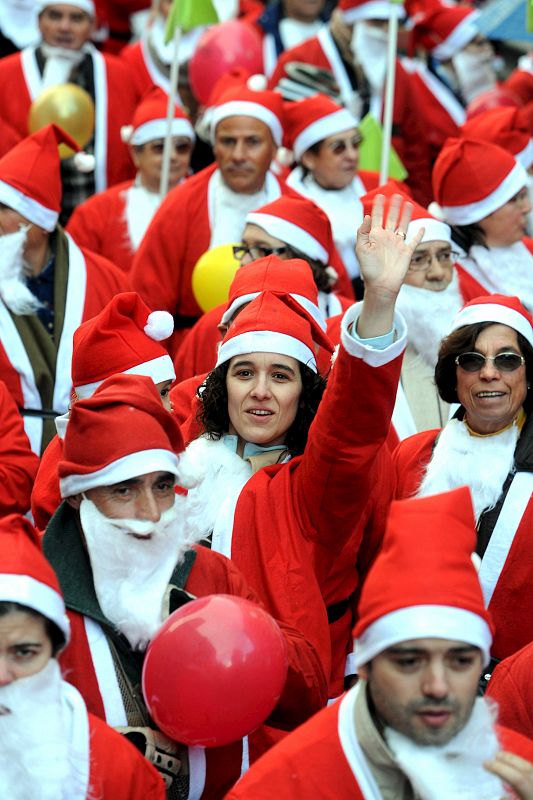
(244,149)
(64,25)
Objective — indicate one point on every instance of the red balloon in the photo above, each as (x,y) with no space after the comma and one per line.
(220,49)
(214,671)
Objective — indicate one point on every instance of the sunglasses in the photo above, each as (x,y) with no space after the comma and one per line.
(423,262)
(504,362)
(339,147)
(240,250)
(181,148)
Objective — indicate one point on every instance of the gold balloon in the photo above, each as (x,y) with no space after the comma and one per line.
(212,276)
(68,106)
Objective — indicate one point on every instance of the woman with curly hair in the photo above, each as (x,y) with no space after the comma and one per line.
(286,482)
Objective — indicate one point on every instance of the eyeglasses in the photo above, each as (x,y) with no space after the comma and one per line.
(181,148)
(504,362)
(256,251)
(341,145)
(423,260)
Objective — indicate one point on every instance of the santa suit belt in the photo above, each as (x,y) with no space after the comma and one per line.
(182,321)
(42,413)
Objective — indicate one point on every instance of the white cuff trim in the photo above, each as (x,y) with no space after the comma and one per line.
(371,356)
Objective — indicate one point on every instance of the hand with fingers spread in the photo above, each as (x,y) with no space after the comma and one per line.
(516,772)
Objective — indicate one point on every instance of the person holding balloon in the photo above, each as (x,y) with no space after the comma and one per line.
(125,560)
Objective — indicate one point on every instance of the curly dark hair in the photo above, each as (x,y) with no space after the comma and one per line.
(54,632)
(466,236)
(463,341)
(213,417)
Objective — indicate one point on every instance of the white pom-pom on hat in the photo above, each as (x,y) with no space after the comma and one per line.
(84,162)
(257,83)
(436,211)
(284,156)
(333,275)
(126,132)
(159,325)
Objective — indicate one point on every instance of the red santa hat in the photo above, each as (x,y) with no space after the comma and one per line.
(506,127)
(274,323)
(471,179)
(84,5)
(251,100)
(150,120)
(434,229)
(26,577)
(497,308)
(313,119)
(423,582)
(356,10)
(445,30)
(123,338)
(119,433)
(293,277)
(30,177)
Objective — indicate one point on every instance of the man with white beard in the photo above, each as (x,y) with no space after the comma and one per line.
(412,728)
(124,562)
(66,55)
(52,749)
(48,285)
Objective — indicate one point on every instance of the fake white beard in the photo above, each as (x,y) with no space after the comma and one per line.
(140,208)
(13,289)
(36,758)
(59,63)
(428,315)
(131,575)
(508,270)
(369,49)
(475,73)
(454,770)
(479,462)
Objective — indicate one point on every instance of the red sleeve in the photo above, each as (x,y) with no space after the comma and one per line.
(45,496)
(197,352)
(410,460)
(18,463)
(512,688)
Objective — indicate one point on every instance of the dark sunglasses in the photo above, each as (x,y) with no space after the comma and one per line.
(504,362)
(240,250)
(181,148)
(339,147)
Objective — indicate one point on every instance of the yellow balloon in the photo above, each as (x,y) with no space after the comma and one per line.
(212,276)
(68,106)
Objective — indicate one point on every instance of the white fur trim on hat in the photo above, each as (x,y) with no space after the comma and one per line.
(307,304)
(266,342)
(525,156)
(420,622)
(289,233)
(28,207)
(123,469)
(515,180)
(30,592)
(494,312)
(434,230)
(320,129)
(158,369)
(85,5)
(245,108)
(159,325)
(157,129)
(375,9)
(458,38)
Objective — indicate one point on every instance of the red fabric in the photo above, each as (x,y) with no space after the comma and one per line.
(121,101)
(310,763)
(99,224)
(520,83)
(18,463)
(468,285)
(134,58)
(409,135)
(117,770)
(8,137)
(45,495)
(512,688)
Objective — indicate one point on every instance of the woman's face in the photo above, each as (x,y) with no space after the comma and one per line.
(335,164)
(491,398)
(507,224)
(261,244)
(25,647)
(264,391)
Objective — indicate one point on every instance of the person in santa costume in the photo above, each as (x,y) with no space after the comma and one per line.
(125,560)
(486,364)
(412,726)
(289,228)
(65,54)
(125,337)
(48,285)
(114,222)
(353,49)
(211,207)
(52,748)
(18,463)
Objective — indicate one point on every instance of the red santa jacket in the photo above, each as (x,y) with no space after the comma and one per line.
(178,235)
(324,761)
(409,137)
(512,688)
(8,137)
(115,101)
(92,282)
(144,71)
(18,464)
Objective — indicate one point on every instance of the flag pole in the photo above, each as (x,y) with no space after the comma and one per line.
(173,89)
(389,91)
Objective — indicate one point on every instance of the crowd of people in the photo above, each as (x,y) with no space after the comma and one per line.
(345,442)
